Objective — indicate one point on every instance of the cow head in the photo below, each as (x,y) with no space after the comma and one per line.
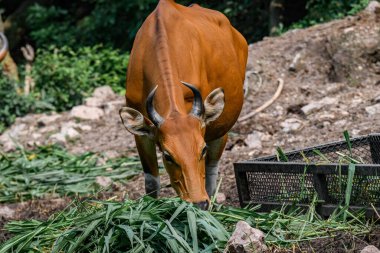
(181,140)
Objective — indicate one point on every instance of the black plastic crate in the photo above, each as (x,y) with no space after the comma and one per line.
(272,184)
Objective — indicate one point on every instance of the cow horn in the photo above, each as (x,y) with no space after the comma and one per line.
(197,109)
(4,49)
(152,113)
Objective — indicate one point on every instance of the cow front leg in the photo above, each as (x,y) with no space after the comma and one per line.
(215,151)
(148,158)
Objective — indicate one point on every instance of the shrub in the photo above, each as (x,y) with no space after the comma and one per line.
(12,105)
(65,76)
(320,11)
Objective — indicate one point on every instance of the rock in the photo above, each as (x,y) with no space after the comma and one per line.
(48,129)
(16,130)
(325,117)
(253,140)
(376,99)
(373,109)
(36,136)
(113,106)
(373,7)
(10,137)
(220,198)
(6,212)
(9,146)
(104,92)
(246,239)
(103,181)
(85,128)
(370,249)
(111,154)
(69,132)
(94,102)
(291,125)
(46,120)
(86,112)
(58,138)
(317,105)
(341,123)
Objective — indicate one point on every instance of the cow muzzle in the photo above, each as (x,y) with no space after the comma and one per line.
(203,205)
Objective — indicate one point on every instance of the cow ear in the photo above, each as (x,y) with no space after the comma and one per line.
(214,105)
(135,122)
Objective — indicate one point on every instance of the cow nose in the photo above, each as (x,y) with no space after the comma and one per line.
(202,205)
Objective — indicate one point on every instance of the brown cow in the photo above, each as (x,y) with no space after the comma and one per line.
(180,56)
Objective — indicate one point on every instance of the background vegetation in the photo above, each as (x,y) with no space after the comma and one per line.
(84,44)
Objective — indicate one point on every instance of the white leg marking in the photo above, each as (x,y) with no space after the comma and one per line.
(211,177)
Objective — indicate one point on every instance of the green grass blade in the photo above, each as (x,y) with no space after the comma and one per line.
(350,179)
(83,236)
(193,229)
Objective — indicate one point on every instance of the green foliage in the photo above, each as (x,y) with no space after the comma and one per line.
(115,23)
(65,76)
(112,23)
(12,104)
(320,11)
(51,25)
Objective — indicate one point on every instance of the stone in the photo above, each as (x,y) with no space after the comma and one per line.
(104,92)
(341,123)
(86,112)
(113,106)
(253,140)
(8,142)
(48,129)
(6,212)
(317,105)
(370,249)
(16,130)
(58,138)
(36,136)
(373,109)
(85,128)
(220,198)
(246,239)
(103,181)
(376,99)
(111,154)
(325,117)
(47,120)
(291,125)
(94,102)
(69,132)
(373,7)
(9,146)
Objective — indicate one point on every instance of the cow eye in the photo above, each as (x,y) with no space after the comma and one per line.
(204,151)
(168,157)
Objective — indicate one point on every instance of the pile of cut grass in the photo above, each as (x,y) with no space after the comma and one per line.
(168,225)
(50,171)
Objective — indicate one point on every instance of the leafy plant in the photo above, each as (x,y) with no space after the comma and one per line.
(64,77)
(12,105)
(320,11)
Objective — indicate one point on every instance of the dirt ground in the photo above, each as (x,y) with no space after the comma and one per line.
(331,75)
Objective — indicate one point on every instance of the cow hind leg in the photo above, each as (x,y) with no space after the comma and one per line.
(215,151)
(148,158)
